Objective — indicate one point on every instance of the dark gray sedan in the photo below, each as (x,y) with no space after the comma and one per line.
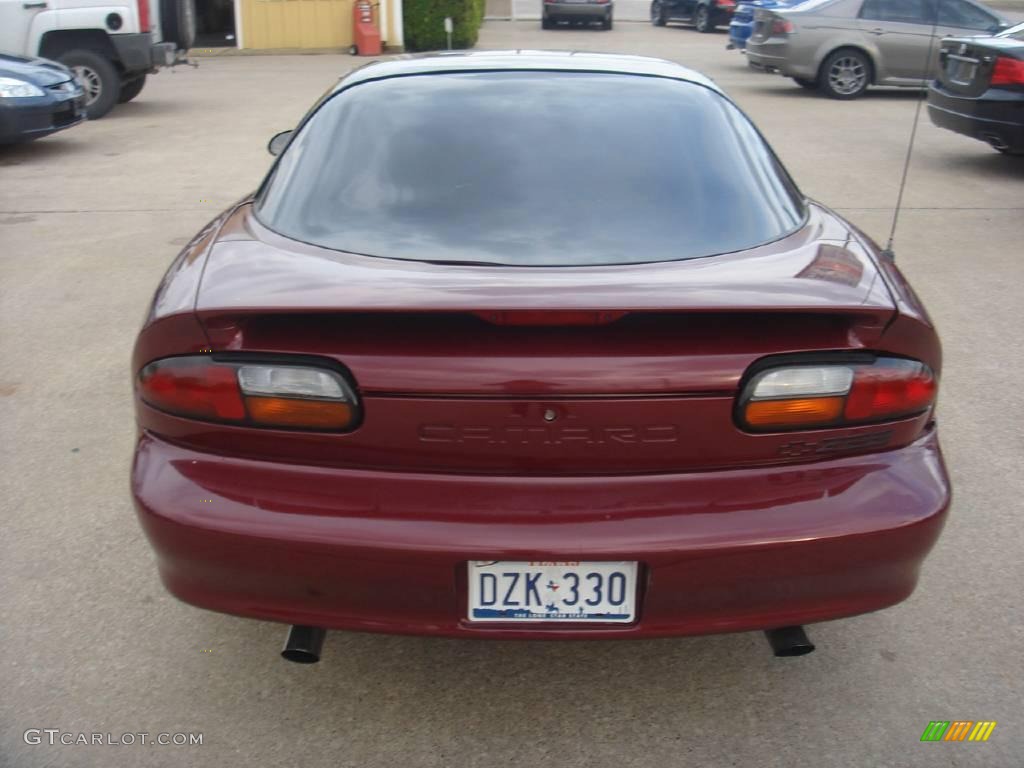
(979,91)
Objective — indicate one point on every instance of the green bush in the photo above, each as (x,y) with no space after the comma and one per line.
(424,23)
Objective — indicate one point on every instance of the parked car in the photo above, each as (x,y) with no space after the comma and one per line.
(980,89)
(742,24)
(842,47)
(577,11)
(705,15)
(445,375)
(110,47)
(37,98)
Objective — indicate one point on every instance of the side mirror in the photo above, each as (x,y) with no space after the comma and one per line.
(279,141)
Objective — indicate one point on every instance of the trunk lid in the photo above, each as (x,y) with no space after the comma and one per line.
(446,388)
(966,63)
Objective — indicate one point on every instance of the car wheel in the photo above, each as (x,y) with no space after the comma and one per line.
(658,14)
(100,80)
(803,82)
(546,23)
(353,50)
(702,21)
(845,74)
(606,23)
(130,89)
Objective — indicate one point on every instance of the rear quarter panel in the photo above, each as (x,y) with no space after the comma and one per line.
(824,29)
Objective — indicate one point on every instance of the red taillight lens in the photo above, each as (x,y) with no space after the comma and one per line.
(259,394)
(1007,71)
(143,8)
(782,27)
(727,4)
(193,386)
(835,395)
(889,389)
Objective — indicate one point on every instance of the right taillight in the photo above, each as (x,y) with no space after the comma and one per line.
(812,396)
(1007,71)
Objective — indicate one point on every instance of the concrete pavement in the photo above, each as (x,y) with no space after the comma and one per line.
(90,219)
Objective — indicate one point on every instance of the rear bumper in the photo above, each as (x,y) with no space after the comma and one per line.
(386,552)
(577,10)
(985,119)
(138,53)
(775,57)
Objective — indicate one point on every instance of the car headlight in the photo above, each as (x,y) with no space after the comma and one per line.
(10,88)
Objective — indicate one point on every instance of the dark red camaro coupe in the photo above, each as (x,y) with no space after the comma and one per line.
(535,345)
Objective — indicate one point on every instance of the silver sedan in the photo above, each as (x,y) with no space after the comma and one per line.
(841,47)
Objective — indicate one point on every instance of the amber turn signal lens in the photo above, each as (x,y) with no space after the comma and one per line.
(288,412)
(802,412)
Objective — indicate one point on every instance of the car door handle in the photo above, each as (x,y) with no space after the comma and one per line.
(33,5)
(877,31)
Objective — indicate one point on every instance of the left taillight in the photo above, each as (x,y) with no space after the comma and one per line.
(142,6)
(275,394)
(813,396)
(782,27)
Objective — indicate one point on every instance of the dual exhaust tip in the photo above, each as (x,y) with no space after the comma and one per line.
(304,644)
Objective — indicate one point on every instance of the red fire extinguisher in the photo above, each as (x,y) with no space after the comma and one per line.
(365,34)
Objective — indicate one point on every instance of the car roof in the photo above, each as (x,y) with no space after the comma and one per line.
(525,61)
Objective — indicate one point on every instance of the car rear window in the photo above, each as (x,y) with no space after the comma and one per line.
(530,168)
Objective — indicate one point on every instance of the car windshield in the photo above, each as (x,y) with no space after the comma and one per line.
(1017,32)
(530,168)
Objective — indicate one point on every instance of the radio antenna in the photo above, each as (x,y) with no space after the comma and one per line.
(887,251)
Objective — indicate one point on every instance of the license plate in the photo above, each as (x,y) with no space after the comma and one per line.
(961,72)
(599,591)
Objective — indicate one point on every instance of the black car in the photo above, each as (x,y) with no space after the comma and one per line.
(705,15)
(980,89)
(37,97)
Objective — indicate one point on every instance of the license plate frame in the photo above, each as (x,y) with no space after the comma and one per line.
(961,71)
(550,592)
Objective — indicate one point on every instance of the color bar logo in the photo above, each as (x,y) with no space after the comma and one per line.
(958,730)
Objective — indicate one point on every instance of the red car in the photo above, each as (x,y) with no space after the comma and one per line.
(535,345)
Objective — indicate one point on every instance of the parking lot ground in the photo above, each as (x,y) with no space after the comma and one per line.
(90,219)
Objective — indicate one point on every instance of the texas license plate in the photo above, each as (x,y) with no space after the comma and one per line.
(598,591)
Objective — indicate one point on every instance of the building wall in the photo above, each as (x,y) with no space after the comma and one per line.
(306,23)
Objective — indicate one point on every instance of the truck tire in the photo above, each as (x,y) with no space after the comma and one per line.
(99,78)
(702,19)
(178,22)
(131,88)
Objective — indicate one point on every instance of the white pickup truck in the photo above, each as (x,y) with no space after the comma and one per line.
(110,45)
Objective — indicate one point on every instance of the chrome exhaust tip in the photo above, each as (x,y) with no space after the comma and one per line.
(304,644)
(789,641)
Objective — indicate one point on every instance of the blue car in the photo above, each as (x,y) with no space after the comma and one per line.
(37,97)
(742,24)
